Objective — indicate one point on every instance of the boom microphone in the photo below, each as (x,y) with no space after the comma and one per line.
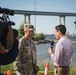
(6,11)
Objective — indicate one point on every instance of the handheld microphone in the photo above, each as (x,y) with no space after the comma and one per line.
(51,44)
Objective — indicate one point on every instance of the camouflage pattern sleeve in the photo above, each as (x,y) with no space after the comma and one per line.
(17,63)
(34,53)
(27,49)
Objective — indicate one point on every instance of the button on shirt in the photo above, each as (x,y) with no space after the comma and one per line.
(63,52)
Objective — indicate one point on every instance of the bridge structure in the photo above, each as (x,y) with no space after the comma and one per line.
(62,15)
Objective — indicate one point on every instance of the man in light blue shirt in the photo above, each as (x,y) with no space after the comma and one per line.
(63,51)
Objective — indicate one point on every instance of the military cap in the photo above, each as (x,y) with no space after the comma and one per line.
(29,27)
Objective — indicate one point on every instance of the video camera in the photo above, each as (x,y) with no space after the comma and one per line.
(6,11)
(8,41)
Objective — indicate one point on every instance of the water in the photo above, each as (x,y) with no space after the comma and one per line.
(43,55)
(42,51)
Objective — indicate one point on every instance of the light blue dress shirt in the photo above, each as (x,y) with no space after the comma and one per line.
(63,52)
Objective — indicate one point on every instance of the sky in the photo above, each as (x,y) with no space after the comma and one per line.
(43,24)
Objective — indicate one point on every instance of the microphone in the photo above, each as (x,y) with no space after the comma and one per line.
(51,44)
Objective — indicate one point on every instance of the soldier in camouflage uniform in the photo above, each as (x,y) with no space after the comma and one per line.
(27,53)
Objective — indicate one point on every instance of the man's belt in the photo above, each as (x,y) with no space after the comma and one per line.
(61,66)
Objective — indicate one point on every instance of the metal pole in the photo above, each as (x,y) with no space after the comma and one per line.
(60,19)
(75,23)
(35,15)
(29,19)
(49,61)
(24,18)
(64,20)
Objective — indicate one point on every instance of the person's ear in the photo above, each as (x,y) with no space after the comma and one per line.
(59,32)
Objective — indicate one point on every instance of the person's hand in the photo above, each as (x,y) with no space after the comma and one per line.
(50,50)
(20,73)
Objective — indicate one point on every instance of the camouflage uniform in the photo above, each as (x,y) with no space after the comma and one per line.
(23,63)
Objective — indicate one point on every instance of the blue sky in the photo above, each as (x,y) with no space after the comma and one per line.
(44,24)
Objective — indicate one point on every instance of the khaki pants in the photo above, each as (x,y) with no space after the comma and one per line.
(18,73)
(62,71)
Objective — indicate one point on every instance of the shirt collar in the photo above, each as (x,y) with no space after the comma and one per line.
(62,38)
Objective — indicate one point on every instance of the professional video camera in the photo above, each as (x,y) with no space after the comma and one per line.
(8,41)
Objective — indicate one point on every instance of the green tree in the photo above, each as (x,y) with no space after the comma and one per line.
(38,37)
(42,36)
(21,31)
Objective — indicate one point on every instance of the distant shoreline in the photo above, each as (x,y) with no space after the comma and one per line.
(47,41)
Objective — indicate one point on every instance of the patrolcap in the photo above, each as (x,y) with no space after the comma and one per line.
(29,27)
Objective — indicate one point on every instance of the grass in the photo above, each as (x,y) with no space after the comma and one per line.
(41,65)
(5,68)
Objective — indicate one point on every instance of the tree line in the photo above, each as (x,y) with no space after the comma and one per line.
(36,37)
